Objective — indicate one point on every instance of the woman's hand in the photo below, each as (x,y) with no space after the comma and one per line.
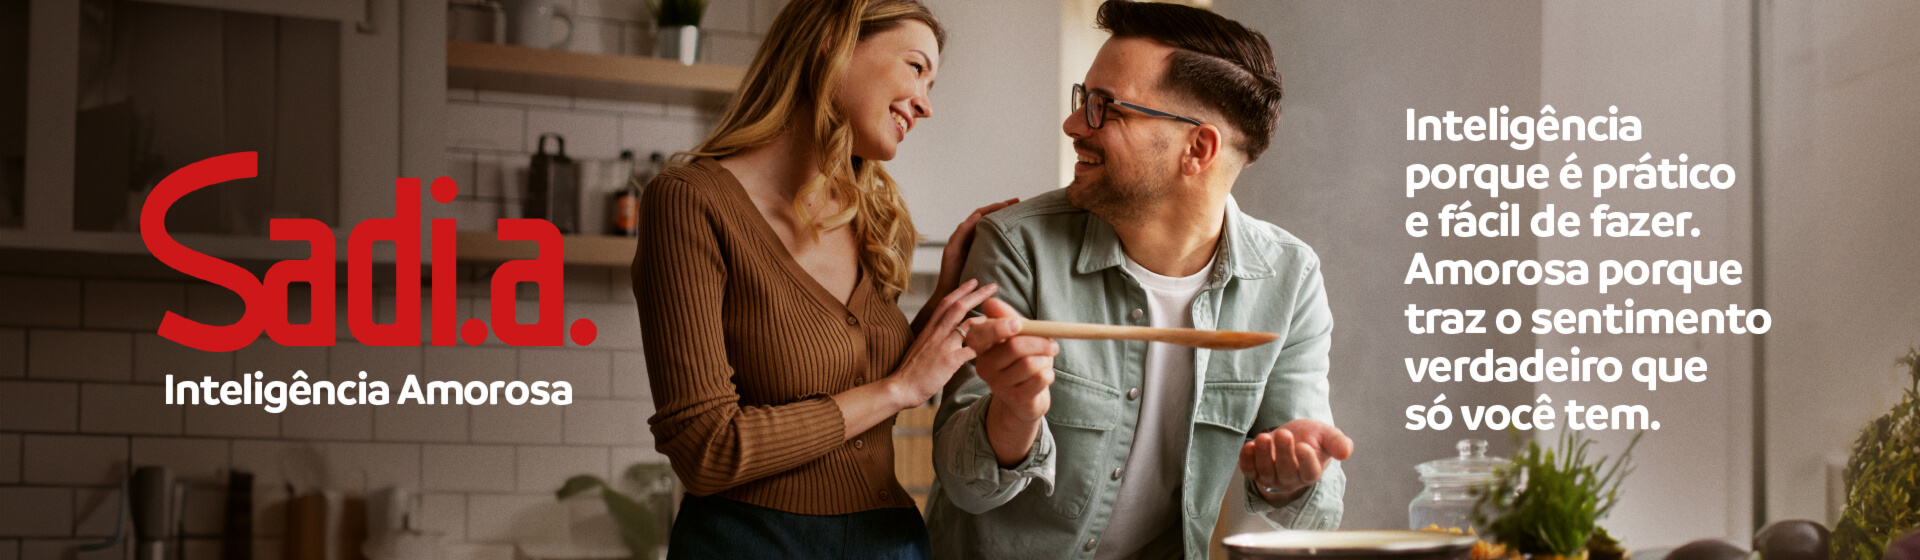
(940,348)
(955,255)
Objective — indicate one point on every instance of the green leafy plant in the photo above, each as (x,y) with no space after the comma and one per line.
(1883,477)
(670,13)
(643,522)
(1548,501)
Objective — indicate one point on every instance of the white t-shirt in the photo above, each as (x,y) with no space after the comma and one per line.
(1148,505)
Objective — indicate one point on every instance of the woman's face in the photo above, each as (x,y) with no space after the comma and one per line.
(884,93)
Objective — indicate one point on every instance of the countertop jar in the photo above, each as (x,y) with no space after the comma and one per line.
(1447,501)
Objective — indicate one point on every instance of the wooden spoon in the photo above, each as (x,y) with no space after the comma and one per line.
(1211,340)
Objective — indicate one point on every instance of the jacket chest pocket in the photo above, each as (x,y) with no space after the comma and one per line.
(1082,416)
(1229,406)
(1221,420)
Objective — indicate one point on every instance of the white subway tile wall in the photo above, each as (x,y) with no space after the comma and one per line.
(74,460)
(30,406)
(112,408)
(131,305)
(13,353)
(76,355)
(517,424)
(202,459)
(36,512)
(514,518)
(67,549)
(467,468)
(155,358)
(9,461)
(95,512)
(337,422)
(39,302)
(81,404)
(81,367)
(542,469)
(589,372)
(445,514)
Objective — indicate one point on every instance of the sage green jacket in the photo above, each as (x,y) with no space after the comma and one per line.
(1060,263)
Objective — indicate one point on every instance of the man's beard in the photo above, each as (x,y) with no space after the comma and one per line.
(1121,193)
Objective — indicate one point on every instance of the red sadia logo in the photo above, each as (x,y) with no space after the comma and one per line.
(266,298)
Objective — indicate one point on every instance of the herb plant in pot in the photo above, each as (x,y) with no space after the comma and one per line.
(1547,502)
(678,33)
(1883,480)
(644,520)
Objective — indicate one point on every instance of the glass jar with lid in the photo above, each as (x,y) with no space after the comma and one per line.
(1447,501)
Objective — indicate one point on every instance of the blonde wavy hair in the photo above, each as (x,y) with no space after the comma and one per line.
(802,59)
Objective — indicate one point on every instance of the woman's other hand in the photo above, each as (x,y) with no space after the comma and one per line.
(941,347)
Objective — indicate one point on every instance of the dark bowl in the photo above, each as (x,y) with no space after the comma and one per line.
(1349,545)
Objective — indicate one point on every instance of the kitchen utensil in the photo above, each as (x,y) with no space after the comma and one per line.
(1447,501)
(236,539)
(403,545)
(389,510)
(1197,338)
(553,187)
(152,512)
(482,21)
(1348,545)
(305,537)
(530,23)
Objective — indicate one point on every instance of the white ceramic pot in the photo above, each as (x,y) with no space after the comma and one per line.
(678,42)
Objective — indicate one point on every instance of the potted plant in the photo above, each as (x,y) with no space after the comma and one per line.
(1547,502)
(678,34)
(1883,478)
(644,522)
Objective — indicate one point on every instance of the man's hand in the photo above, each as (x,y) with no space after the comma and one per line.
(1284,462)
(1018,369)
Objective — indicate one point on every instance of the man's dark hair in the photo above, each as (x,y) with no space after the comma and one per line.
(1217,62)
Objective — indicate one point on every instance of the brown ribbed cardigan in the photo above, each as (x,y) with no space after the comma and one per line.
(743,349)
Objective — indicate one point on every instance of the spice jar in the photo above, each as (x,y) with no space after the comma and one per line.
(1447,501)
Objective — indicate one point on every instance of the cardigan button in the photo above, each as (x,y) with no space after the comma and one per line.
(886,496)
(851,320)
(1133,394)
(1092,544)
(859,444)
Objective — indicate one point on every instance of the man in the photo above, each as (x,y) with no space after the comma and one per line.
(1124,449)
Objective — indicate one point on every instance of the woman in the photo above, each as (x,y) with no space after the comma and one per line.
(770,261)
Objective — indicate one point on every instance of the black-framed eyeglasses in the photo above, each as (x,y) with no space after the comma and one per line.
(1097,112)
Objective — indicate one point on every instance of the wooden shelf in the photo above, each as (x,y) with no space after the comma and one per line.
(474,246)
(225,247)
(514,68)
(591,250)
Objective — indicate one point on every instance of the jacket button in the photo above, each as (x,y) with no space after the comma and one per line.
(859,444)
(1133,394)
(1116,474)
(1136,314)
(851,320)
(1091,543)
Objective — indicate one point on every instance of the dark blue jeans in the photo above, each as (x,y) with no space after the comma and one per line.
(715,527)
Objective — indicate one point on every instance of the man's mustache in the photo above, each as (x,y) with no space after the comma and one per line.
(1097,152)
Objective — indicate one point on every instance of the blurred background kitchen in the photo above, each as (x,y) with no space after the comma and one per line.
(1812,101)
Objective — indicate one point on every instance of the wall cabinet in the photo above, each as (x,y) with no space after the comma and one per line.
(340,97)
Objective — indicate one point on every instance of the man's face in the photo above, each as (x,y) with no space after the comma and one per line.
(1127,164)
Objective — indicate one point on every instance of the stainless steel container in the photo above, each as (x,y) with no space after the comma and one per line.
(553,187)
(1349,545)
